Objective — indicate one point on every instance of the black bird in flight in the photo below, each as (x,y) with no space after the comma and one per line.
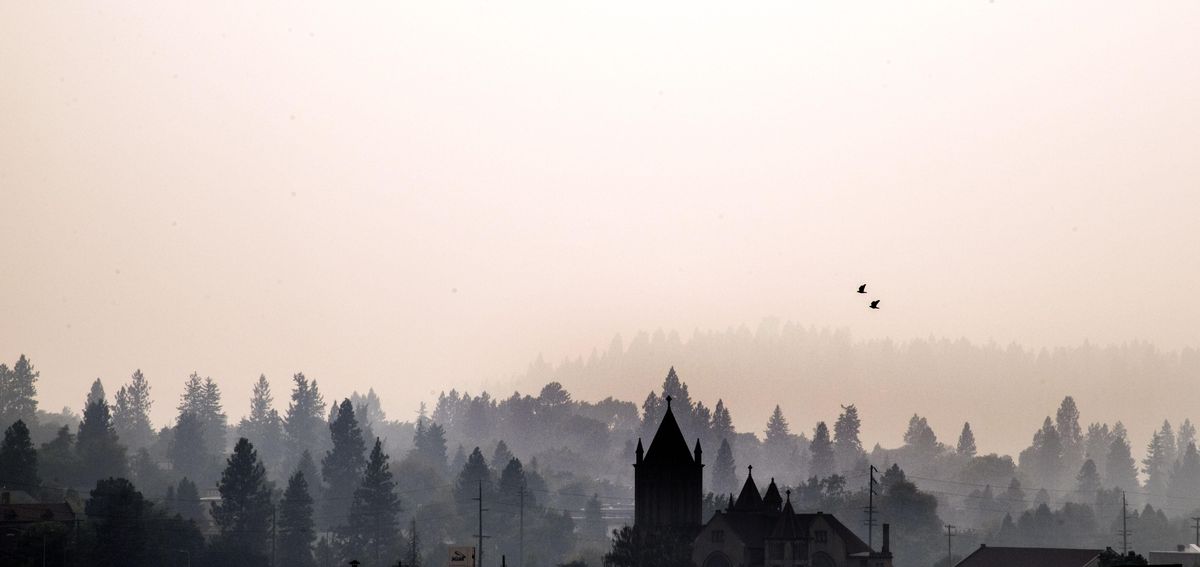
(862,288)
(875,304)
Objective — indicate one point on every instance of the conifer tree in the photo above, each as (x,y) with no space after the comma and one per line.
(847,447)
(966,441)
(18,393)
(474,472)
(296,529)
(501,456)
(243,515)
(58,462)
(1087,482)
(373,524)
(18,459)
(1185,480)
(343,465)
(413,559)
(1120,471)
(203,398)
(1155,466)
(722,423)
(1070,434)
(96,392)
(778,434)
(724,475)
(263,426)
(187,501)
(460,459)
(304,418)
(131,413)
(189,451)
(312,476)
(821,449)
(1185,437)
(100,453)
(1170,451)
(921,438)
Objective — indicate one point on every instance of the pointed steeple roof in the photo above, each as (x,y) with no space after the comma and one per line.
(788,525)
(772,500)
(668,445)
(749,500)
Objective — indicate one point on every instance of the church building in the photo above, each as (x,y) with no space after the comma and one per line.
(756,530)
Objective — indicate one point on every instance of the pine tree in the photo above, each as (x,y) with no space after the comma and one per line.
(304,418)
(460,458)
(189,452)
(920,438)
(1185,437)
(1155,466)
(18,459)
(117,512)
(821,450)
(373,524)
(203,398)
(847,447)
(966,441)
(243,515)
(342,466)
(296,529)
(724,475)
(96,392)
(467,486)
(18,393)
(312,476)
(722,423)
(1087,482)
(187,501)
(58,462)
(100,453)
(263,426)
(1044,457)
(501,456)
(1185,480)
(778,434)
(1170,451)
(1070,434)
(1120,471)
(131,413)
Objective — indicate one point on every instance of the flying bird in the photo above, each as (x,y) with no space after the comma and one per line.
(875,304)
(862,288)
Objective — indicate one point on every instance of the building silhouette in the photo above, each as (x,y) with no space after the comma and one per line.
(668,481)
(756,530)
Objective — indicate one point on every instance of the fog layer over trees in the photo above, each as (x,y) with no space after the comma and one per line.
(318,479)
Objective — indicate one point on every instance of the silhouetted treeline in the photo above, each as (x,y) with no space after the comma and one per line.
(341,480)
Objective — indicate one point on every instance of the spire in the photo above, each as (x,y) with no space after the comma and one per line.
(749,500)
(772,500)
(697,451)
(669,446)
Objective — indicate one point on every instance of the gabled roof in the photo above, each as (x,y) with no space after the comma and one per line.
(749,500)
(987,556)
(32,513)
(668,446)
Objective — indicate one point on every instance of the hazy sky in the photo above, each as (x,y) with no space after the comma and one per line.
(415,196)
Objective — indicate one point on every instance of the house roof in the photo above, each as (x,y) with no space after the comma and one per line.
(30,513)
(668,446)
(749,500)
(988,556)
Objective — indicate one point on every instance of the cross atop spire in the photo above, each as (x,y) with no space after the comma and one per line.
(668,402)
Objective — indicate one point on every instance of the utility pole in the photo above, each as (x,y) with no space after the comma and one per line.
(1196,521)
(479,536)
(1124,525)
(871,508)
(521,529)
(949,544)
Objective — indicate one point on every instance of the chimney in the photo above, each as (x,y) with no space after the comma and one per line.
(887,538)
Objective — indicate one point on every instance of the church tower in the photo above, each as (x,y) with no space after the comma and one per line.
(668,480)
